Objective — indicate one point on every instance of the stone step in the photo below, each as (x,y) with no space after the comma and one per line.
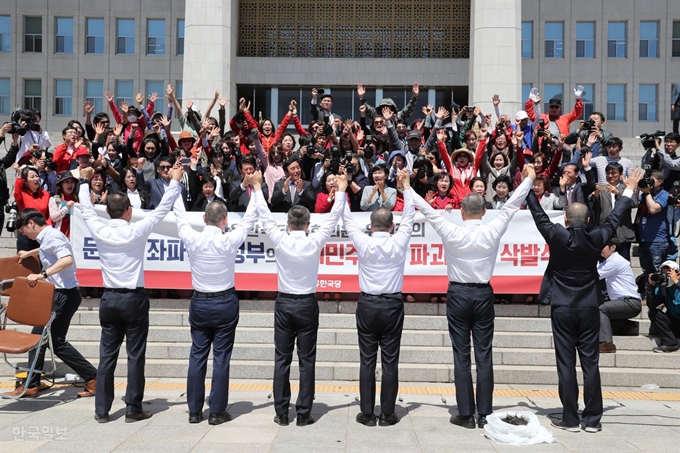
(7,241)
(340,371)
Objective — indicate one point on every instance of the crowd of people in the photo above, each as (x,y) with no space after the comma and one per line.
(448,158)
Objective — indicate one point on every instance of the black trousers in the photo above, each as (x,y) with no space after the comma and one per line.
(614,313)
(577,329)
(469,310)
(213,322)
(122,316)
(64,305)
(380,321)
(668,327)
(295,319)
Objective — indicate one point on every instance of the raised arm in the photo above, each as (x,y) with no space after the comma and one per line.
(328,226)
(403,235)
(266,218)
(92,220)
(446,230)
(240,232)
(186,232)
(500,223)
(147,224)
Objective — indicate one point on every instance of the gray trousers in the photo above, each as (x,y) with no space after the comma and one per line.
(617,310)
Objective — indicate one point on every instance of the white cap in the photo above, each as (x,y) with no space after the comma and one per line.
(671,264)
(521,115)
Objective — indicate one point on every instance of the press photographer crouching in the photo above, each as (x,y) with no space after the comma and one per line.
(663,300)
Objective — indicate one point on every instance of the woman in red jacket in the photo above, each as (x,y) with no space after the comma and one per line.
(28,194)
(326,198)
(442,198)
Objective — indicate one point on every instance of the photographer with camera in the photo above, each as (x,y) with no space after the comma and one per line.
(356,181)
(665,159)
(663,300)
(652,223)
(593,125)
(6,162)
(26,124)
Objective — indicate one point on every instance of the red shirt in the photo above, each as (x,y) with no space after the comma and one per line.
(25,199)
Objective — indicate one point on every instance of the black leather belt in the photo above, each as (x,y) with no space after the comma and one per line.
(124,290)
(388,295)
(471,285)
(297,296)
(218,294)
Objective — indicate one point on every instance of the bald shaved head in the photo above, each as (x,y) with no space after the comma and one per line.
(576,213)
(381,219)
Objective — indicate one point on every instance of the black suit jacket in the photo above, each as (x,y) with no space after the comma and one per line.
(156,189)
(580,194)
(239,198)
(281,202)
(571,278)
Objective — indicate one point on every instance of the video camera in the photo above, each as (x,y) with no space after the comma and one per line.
(24,120)
(649,140)
(660,280)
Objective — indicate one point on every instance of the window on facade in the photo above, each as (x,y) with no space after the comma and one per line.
(647,103)
(554,40)
(125,36)
(526,89)
(94,35)
(588,99)
(179,89)
(527,40)
(180,36)
(550,91)
(616,102)
(155,37)
(585,39)
(5,34)
(157,86)
(63,97)
(675,44)
(4,96)
(94,90)
(125,92)
(616,40)
(63,40)
(649,39)
(32,93)
(33,34)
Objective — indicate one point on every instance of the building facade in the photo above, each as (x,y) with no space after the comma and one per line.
(55,54)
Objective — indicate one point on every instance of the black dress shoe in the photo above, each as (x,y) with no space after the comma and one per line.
(366,419)
(102,418)
(281,420)
(481,421)
(132,417)
(466,422)
(195,417)
(304,421)
(218,419)
(388,419)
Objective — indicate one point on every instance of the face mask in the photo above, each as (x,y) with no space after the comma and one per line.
(132,118)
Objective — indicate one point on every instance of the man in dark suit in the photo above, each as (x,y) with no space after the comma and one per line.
(293,191)
(571,286)
(156,187)
(239,194)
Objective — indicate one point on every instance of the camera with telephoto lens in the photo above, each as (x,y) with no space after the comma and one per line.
(335,159)
(349,166)
(369,147)
(589,124)
(327,128)
(421,173)
(660,280)
(674,199)
(11,210)
(28,117)
(647,181)
(649,140)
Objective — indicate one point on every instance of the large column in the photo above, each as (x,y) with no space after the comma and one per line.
(210,41)
(495,55)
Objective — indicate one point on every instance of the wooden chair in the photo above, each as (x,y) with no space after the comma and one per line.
(28,306)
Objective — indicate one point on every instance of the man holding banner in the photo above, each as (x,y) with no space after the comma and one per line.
(296,312)
(214,309)
(124,306)
(471,253)
(380,310)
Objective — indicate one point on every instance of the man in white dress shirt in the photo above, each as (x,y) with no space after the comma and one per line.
(296,312)
(380,310)
(471,252)
(124,306)
(214,309)
(624,301)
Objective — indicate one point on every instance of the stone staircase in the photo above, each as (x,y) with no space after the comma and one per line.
(523,346)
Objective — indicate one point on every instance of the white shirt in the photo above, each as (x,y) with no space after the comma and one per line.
(135,200)
(54,246)
(382,256)
(122,244)
(471,249)
(212,253)
(297,254)
(619,277)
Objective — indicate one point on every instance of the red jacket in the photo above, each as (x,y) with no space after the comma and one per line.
(139,133)
(25,199)
(62,158)
(267,142)
(563,121)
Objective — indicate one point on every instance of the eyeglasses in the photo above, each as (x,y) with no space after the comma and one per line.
(554,107)
(164,167)
(378,122)
(152,148)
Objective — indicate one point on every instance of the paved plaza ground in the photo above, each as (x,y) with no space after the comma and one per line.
(635,420)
